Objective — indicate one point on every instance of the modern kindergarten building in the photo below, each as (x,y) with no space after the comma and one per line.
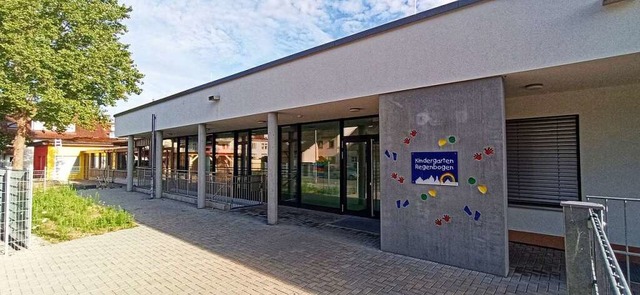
(458,127)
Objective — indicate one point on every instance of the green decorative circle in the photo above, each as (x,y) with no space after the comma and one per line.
(424,196)
(472,180)
(452,139)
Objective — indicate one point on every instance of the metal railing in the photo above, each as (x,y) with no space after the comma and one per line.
(142,177)
(622,239)
(103,175)
(605,267)
(181,182)
(16,192)
(236,191)
(232,191)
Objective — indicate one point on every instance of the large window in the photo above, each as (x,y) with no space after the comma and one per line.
(543,161)
(320,184)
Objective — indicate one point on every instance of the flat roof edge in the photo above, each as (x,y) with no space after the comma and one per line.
(326,46)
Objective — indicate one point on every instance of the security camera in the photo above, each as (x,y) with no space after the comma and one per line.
(214,98)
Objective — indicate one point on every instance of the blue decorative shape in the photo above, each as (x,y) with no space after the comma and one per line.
(467,210)
(477,216)
(398,202)
(406,203)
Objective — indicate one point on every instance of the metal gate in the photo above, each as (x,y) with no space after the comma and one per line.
(15,204)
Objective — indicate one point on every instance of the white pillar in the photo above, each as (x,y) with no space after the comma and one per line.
(272,169)
(202,164)
(130,145)
(158,165)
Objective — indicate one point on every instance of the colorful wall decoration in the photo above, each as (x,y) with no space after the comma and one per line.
(442,149)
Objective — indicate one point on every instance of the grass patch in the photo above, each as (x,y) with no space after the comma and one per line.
(60,214)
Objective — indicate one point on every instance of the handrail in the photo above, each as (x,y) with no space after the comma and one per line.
(616,278)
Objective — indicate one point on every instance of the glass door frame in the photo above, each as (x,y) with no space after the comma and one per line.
(368,140)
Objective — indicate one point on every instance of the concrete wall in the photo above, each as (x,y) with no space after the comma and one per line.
(473,112)
(487,39)
(609,124)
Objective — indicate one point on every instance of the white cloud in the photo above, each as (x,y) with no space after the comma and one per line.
(180,44)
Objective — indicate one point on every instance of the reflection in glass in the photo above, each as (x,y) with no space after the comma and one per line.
(357,172)
(259,151)
(320,165)
(224,154)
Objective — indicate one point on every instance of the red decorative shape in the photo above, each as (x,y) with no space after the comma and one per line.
(477,156)
(438,222)
(446,218)
(394,175)
(413,133)
(401,179)
(488,151)
(407,140)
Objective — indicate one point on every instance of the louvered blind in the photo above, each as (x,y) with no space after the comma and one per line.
(543,160)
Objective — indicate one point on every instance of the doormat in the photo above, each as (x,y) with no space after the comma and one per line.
(369,225)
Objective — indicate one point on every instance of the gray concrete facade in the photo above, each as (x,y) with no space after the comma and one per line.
(463,225)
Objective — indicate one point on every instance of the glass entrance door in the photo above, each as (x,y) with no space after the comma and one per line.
(360,188)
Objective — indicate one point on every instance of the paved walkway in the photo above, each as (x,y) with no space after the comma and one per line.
(178,249)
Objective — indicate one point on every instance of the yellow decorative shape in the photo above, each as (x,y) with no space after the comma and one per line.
(482,188)
(442,142)
(432,193)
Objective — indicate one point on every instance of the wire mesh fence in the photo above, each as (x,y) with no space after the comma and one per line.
(16,204)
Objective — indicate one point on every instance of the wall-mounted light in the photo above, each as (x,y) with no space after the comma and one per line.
(299,116)
(262,121)
(354,110)
(534,86)
(214,98)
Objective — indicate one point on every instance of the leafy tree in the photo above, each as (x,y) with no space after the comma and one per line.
(61,63)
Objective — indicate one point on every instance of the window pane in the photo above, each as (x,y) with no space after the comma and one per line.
(224,153)
(193,153)
(242,149)
(289,164)
(259,152)
(320,165)
(182,149)
(363,126)
(542,161)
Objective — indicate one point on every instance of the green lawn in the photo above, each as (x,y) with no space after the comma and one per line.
(60,214)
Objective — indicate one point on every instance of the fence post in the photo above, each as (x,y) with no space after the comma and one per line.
(7,204)
(577,246)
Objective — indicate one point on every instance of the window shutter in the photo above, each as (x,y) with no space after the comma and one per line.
(543,166)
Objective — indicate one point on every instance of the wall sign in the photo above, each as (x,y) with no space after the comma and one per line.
(434,168)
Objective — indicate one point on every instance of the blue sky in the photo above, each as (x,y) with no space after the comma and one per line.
(179,44)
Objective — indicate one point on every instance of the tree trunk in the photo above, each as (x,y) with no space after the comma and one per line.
(19,143)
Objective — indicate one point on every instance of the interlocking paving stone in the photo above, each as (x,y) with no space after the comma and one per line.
(178,249)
